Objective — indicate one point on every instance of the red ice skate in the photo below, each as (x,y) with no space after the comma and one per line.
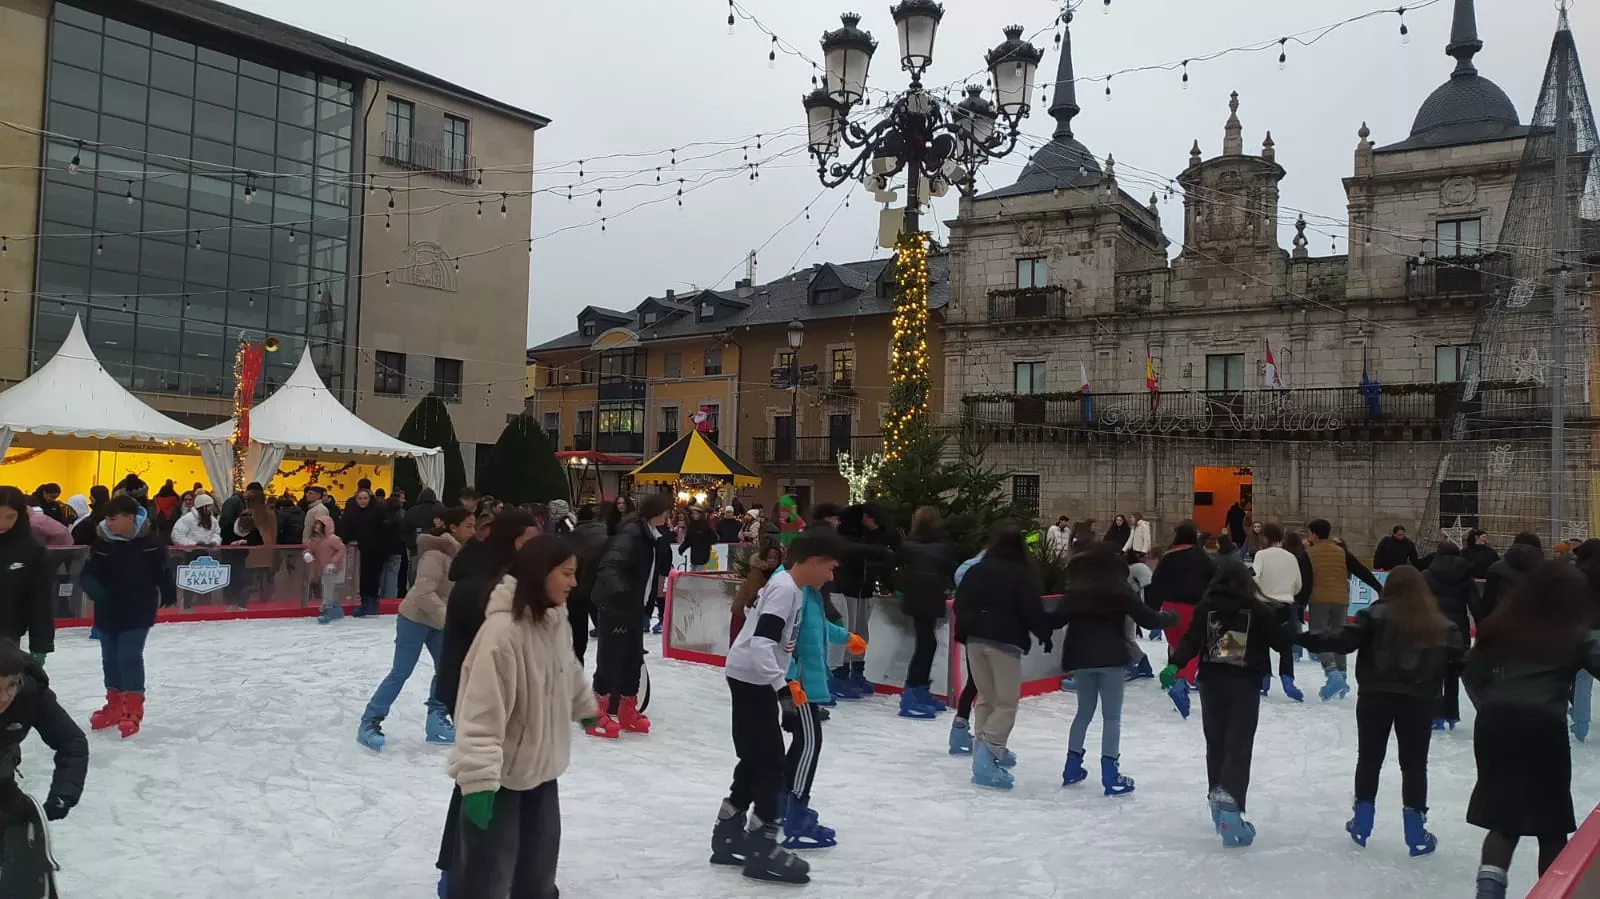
(604,726)
(633,721)
(132,714)
(109,714)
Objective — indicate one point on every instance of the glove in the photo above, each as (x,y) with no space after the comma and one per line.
(308,557)
(855,645)
(56,808)
(38,659)
(478,808)
(588,722)
(1169,674)
(796,693)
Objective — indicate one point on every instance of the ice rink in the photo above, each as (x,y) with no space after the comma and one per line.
(247,783)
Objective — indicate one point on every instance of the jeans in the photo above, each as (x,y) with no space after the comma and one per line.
(1582,691)
(1412,721)
(758,742)
(122,659)
(516,855)
(921,670)
(389,579)
(998,674)
(1327,618)
(409,639)
(1230,709)
(1103,686)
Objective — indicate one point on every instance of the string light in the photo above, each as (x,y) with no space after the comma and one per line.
(730,16)
(391,196)
(772,54)
(908,361)
(197,239)
(129,198)
(1405,33)
(100,248)
(503,198)
(1283,53)
(1186,74)
(77,160)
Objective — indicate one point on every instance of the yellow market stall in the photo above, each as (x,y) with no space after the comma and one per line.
(694,466)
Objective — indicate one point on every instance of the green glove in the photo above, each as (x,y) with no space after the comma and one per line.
(1169,674)
(38,659)
(588,722)
(478,808)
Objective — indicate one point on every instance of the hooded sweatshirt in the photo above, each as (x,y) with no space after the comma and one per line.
(521,690)
(426,600)
(47,530)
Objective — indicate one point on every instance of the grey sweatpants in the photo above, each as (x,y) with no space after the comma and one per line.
(1325,618)
(516,856)
(998,675)
(857,611)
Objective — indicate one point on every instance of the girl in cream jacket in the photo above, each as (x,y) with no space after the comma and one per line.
(521,690)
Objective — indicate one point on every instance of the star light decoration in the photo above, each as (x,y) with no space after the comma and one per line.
(1529,368)
(1456,534)
(859,474)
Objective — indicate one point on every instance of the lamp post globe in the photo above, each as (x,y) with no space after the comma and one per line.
(917,22)
(797,334)
(1013,65)
(825,123)
(846,55)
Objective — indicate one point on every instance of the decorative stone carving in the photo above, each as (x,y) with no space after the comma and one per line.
(426,264)
(1031,234)
(1460,190)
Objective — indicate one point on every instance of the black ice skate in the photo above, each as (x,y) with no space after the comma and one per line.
(728,838)
(766,860)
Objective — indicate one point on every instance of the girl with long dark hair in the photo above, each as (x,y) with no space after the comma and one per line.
(27,578)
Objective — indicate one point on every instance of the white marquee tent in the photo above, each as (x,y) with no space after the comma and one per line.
(73,396)
(304,416)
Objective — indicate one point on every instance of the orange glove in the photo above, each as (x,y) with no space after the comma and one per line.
(855,645)
(796,693)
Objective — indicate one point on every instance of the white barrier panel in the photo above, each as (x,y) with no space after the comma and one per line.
(699,614)
(1041,671)
(892,640)
(721,555)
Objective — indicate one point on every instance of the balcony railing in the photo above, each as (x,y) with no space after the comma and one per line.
(403,151)
(1447,278)
(812,450)
(1029,304)
(1316,409)
(620,443)
(583,443)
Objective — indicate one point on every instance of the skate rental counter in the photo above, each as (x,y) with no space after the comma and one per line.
(699,613)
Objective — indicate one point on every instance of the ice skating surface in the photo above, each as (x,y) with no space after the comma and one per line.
(247,783)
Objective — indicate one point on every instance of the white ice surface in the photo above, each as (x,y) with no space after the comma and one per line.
(247,783)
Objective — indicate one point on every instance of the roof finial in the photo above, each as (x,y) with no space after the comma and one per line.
(1464,43)
(1267,151)
(1065,106)
(1233,133)
(1194,154)
(1300,240)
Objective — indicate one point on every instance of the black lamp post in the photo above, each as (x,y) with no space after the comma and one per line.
(797,336)
(919,134)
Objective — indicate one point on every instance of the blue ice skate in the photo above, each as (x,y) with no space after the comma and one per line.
(1073,772)
(1179,692)
(858,678)
(440,731)
(1235,830)
(912,706)
(1336,686)
(1068,685)
(1442,724)
(330,613)
(655,628)
(840,684)
(986,770)
(1290,690)
(1112,779)
(801,829)
(1580,729)
(1359,827)
(934,702)
(1266,685)
(1155,636)
(94,632)
(1006,759)
(1216,811)
(1139,670)
(370,734)
(444,883)
(960,738)
(1418,840)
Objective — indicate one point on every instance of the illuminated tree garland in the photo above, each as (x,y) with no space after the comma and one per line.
(908,365)
(859,475)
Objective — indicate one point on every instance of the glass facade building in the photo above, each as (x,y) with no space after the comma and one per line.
(191,196)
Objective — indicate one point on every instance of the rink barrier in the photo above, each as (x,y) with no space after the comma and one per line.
(261,582)
(1574,874)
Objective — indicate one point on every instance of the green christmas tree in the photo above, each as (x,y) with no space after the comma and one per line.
(522,466)
(969,495)
(428,426)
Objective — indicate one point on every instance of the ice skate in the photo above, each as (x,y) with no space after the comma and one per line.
(960,738)
(605,727)
(840,685)
(132,714)
(858,678)
(1336,686)
(1580,729)
(801,830)
(1179,692)
(1266,685)
(1068,685)
(1491,882)
(630,718)
(912,706)
(1006,759)
(766,860)
(986,770)
(1112,779)
(728,837)
(1418,840)
(330,613)
(370,734)
(932,701)
(1073,772)
(1139,670)
(1235,830)
(1359,827)
(439,731)
(108,714)
(1290,690)
(1215,807)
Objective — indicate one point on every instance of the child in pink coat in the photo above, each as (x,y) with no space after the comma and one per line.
(325,554)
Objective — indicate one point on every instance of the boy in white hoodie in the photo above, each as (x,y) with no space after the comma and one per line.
(1278,576)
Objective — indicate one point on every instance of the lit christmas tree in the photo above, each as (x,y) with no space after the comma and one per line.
(908,366)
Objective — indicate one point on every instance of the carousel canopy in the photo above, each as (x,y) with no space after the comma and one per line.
(694,456)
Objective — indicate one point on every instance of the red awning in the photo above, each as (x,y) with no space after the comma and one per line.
(594,458)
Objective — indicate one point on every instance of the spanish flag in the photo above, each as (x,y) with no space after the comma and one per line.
(1150,382)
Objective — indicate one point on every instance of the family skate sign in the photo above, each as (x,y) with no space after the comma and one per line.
(204,575)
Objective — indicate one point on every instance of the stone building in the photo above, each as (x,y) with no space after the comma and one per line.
(1063,278)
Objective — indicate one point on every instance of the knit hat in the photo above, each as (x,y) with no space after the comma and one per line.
(203,500)
(559,508)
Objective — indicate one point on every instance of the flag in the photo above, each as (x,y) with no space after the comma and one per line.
(1150,382)
(1088,397)
(1369,388)
(1270,378)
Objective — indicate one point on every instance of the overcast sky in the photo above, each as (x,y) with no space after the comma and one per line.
(642,76)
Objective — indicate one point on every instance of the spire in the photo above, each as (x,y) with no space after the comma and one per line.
(1268,151)
(1065,106)
(1233,133)
(1464,43)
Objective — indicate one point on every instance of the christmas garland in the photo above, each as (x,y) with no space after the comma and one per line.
(23,457)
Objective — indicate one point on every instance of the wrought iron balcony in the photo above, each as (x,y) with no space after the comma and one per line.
(1028,304)
(403,151)
(620,442)
(1440,279)
(816,451)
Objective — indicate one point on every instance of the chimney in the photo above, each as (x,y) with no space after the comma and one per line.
(671,293)
(746,289)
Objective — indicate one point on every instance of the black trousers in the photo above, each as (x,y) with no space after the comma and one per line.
(800,765)
(579,609)
(758,742)
(918,675)
(969,695)
(448,840)
(1230,708)
(616,665)
(1411,719)
(1287,620)
(516,856)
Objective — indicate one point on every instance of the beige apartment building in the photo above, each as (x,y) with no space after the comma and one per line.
(192,174)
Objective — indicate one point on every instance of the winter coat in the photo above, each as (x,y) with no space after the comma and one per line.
(1097,636)
(128,578)
(1503,577)
(84,529)
(27,589)
(327,552)
(521,691)
(47,530)
(998,601)
(728,530)
(472,575)
(1386,662)
(291,525)
(1392,552)
(367,528)
(425,601)
(1482,556)
(864,568)
(266,521)
(314,513)
(809,664)
(697,542)
(625,579)
(1235,523)
(1231,633)
(1277,574)
(1139,539)
(232,508)
(1180,577)
(1302,596)
(1119,534)
(419,518)
(1543,686)
(1450,579)
(927,565)
(36,708)
(189,532)
(1332,566)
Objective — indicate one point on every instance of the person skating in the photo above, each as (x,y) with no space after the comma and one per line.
(926,565)
(365,527)
(1177,585)
(698,538)
(1394,550)
(960,730)
(1479,553)
(521,691)
(420,625)
(1404,651)
(28,704)
(127,576)
(1519,676)
(624,584)
(27,579)
(1279,576)
(998,616)
(1503,576)
(1449,577)
(1230,633)
(756,576)
(870,540)
(757,673)
(1095,611)
(1332,566)
(325,554)
(588,541)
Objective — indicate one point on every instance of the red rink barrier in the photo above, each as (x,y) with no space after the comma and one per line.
(1574,875)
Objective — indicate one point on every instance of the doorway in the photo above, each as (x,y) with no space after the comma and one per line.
(1215,490)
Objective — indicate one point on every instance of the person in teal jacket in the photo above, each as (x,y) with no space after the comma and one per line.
(803,716)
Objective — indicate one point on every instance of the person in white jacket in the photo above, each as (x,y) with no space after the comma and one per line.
(200,525)
(1278,577)
(1139,539)
(521,690)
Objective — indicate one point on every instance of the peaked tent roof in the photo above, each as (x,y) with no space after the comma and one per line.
(74,395)
(693,454)
(304,415)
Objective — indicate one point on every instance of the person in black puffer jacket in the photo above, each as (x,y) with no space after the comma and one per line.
(698,538)
(866,570)
(624,587)
(1406,649)
(1479,553)
(588,540)
(1450,577)
(1180,581)
(927,564)
(1524,553)
(27,579)
(1095,611)
(28,704)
